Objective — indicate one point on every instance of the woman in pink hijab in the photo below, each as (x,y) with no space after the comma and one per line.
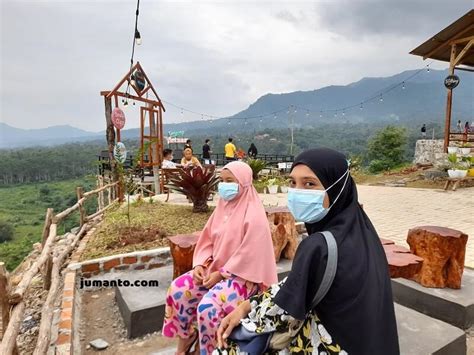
(233,260)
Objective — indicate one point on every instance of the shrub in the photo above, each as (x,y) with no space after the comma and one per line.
(6,231)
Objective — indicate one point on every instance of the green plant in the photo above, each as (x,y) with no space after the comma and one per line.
(6,231)
(256,165)
(196,183)
(387,149)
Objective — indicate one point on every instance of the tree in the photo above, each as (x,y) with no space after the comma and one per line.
(6,231)
(386,149)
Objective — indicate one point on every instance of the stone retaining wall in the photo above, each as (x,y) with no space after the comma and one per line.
(429,151)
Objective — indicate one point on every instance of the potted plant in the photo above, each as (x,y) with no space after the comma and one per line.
(196,183)
(257,165)
(452,150)
(465,149)
(283,183)
(470,172)
(458,169)
(272,186)
(260,186)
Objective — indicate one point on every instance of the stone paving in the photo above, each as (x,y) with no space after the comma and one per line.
(394,210)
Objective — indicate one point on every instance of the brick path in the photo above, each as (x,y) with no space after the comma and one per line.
(394,210)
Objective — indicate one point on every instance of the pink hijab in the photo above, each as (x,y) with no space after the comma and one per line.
(237,236)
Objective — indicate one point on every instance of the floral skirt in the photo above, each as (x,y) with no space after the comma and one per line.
(290,336)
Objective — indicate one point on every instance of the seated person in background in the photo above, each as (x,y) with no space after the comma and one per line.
(189,159)
(168,160)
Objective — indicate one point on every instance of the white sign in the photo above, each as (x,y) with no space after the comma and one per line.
(285,165)
(176,140)
(120,152)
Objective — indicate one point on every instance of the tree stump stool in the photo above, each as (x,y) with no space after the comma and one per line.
(284,234)
(182,250)
(401,262)
(443,251)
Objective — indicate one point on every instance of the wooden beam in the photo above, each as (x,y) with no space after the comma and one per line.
(462,40)
(463,52)
(133,97)
(465,69)
(152,88)
(47,222)
(448,42)
(120,83)
(82,211)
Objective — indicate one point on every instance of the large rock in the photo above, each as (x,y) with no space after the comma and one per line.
(428,151)
(443,251)
(284,233)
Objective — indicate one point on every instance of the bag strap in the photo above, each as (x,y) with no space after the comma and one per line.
(330,271)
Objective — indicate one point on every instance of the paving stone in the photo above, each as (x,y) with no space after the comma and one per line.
(99,344)
(419,334)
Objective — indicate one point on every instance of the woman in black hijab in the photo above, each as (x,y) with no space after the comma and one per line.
(357,313)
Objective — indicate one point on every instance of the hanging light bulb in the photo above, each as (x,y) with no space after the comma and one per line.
(307,114)
(138,38)
(228,122)
(361,106)
(381,98)
(133,103)
(403,86)
(321,114)
(275,116)
(246,121)
(261,119)
(343,112)
(202,117)
(428,68)
(125,104)
(335,114)
(295,110)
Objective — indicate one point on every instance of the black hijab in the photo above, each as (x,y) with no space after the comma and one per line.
(358,310)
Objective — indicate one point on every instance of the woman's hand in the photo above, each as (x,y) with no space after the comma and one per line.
(199,274)
(230,322)
(212,279)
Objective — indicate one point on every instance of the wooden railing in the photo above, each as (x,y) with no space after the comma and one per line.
(12,299)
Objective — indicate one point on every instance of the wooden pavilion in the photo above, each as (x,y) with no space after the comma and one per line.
(151,119)
(455,45)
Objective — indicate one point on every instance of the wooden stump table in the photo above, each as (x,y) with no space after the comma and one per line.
(182,250)
(443,251)
(401,262)
(284,233)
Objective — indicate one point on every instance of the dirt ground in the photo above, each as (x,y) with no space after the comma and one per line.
(100,318)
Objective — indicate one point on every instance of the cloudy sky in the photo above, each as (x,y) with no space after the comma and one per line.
(215,57)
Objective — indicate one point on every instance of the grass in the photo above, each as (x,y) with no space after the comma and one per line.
(150,223)
(24,207)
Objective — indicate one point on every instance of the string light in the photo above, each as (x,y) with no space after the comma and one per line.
(138,38)
(293,108)
(228,121)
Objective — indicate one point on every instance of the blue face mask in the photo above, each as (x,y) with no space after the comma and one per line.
(228,190)
(307,205)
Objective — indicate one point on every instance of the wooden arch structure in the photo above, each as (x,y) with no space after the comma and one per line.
(455,45)
(151,119)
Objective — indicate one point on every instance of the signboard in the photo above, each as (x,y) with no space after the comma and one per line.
(451,81)
(287,165)
(171,140)
(118,118)
(120,152)
(176,134)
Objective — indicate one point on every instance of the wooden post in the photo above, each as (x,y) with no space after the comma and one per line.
(449,101)
(154,150)
(4,304)
(47,222)
(82,211)
(101,194)
(48,266)
(110,134)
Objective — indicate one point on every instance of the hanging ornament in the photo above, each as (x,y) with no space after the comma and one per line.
(381,98)
(361,106)
(403,86)
(118,118)
(120,152)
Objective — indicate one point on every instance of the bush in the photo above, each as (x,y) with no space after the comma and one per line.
(6,231)
(387,149)
(44,190)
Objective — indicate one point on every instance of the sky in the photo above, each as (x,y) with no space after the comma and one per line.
(213,57)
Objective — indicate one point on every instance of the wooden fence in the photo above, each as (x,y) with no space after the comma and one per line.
(49,263)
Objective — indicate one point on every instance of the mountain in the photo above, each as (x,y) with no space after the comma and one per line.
(422,99)
(11,137)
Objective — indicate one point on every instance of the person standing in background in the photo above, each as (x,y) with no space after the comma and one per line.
(423,131)
(188,145)
(230,150)
(459,126)
(206,152)
(252,152)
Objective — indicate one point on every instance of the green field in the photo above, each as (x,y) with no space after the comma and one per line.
(24,207)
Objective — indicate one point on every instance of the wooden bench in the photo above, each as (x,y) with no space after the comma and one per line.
(166,175)
(401,262)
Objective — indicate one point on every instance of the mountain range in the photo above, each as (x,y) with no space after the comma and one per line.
(408,98)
